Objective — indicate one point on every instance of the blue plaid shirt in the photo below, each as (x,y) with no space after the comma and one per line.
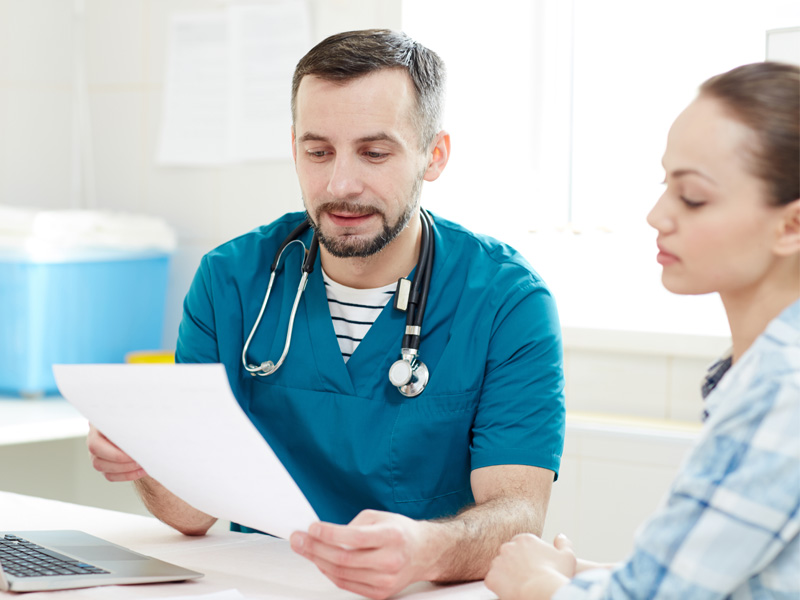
(729,527)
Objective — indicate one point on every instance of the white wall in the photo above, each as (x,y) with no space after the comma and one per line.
(126,43)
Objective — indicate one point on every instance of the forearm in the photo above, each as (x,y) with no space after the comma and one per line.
(464,546)
(170,509)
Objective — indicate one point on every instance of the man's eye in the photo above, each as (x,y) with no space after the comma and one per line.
(316,153)
(376,155)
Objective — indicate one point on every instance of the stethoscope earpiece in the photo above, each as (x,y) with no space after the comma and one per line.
(265,368)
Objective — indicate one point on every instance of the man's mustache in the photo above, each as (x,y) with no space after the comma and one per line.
(352,208)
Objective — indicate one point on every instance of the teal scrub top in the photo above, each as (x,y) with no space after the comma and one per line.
(490,339)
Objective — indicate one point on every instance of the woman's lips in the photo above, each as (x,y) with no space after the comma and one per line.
(665,258)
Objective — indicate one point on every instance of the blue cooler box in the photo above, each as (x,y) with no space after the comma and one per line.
(90,310)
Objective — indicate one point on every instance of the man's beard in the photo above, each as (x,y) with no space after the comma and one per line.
(346,246)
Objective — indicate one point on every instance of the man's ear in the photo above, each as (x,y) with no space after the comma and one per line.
(294,146)
(787,241)
(438,157)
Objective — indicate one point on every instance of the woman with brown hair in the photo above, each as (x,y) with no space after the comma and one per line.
(728,222)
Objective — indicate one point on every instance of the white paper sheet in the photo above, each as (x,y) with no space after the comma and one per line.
(182,424)
(224,595)
(144,591)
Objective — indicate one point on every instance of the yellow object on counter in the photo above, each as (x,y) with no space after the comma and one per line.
(150,357)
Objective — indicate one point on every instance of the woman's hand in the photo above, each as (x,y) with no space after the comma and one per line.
(526,568)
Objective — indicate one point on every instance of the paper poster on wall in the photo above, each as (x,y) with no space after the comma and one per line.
(228,84)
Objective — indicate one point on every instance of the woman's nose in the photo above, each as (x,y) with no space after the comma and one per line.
(659,218)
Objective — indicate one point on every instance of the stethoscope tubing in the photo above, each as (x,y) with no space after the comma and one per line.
(266,368)
(418,295)
(417,301)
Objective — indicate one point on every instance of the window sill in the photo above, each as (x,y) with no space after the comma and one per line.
(607,286)
(649,343)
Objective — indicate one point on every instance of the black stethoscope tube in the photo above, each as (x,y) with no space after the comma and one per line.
(418,295)
(311,256)
(294,235)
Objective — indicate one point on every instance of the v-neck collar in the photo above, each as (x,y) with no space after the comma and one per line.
(382,339)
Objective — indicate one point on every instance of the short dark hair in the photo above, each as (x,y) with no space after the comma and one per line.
(353,54)
(765,96)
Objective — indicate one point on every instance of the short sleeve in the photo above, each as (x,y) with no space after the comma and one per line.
(197,339)
(520,418)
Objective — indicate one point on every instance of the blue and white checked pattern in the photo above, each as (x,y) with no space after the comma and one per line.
(730,525)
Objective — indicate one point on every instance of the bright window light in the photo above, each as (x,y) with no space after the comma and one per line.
(559,112)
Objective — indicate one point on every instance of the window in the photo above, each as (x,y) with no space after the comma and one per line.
(559,111)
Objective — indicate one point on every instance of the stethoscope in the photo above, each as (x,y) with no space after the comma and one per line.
(408,374)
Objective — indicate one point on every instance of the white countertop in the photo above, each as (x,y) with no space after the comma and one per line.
(39,420)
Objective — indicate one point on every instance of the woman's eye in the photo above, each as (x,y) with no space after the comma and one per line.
(692,203)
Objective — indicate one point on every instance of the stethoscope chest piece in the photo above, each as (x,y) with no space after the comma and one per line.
(409,375)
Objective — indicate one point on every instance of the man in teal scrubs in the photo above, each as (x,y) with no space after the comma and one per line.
(408,489)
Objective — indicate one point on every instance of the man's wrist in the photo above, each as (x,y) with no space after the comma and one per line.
(147,486)
(437,539)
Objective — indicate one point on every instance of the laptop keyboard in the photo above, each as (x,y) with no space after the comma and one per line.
(22,558)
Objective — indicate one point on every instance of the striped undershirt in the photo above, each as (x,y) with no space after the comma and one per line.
(353,311)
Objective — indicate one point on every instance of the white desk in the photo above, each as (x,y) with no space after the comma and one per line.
(259,566)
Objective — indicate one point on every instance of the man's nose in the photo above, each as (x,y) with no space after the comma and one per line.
(346,180)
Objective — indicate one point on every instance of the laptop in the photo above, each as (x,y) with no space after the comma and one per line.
(64,559)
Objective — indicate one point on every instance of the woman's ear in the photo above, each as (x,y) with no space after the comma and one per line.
(787,242)
(438,156)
